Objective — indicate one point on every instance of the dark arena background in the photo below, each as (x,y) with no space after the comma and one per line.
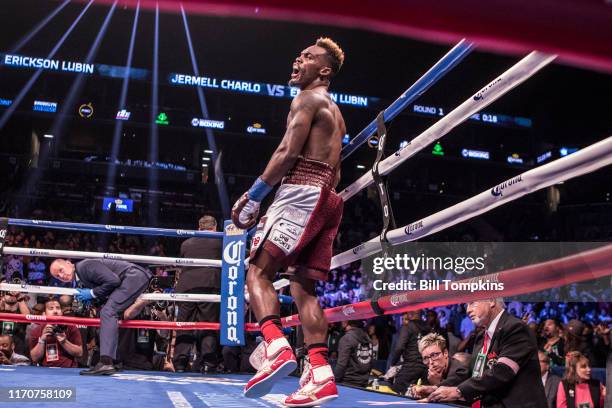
(153,114)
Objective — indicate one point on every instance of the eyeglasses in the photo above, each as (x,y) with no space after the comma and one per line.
(432,357)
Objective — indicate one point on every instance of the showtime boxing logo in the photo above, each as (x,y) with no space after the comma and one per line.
(231,256)
(497,191)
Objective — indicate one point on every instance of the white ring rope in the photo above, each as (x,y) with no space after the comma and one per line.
(514,76)
(171,297)
(584,161)
(156,260)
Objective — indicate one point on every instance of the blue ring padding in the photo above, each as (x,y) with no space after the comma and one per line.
(75,226)
(441,68)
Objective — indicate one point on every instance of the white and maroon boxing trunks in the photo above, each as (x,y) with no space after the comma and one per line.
(299,228)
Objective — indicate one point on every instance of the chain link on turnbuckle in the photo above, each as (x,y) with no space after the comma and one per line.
(381,183)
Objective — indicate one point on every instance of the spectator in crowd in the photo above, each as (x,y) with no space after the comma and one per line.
(54,345)
(375,341)
(406,347)
(15,302)
(467,344)
(355,355)
(431,317)
(505,366)
(467,327)
(553,343)
(334,334)
(8,355)
(199,280)
(453,340)
(576,341)
(137,346)
(578,389)
(13,268)
(442,370)
(550,380)
(601,343)
(36,272)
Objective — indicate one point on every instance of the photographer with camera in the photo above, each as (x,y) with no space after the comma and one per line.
(199,280)
(137,346)
(55,345)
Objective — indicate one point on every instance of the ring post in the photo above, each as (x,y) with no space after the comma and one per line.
(232,285)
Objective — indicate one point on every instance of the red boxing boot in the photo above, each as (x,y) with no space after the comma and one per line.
(274,362)
(319,388)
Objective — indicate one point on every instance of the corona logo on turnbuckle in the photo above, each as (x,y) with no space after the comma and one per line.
(232,286)
(231,253)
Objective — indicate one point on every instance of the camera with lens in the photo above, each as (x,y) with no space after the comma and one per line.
(159,284)
(60,328)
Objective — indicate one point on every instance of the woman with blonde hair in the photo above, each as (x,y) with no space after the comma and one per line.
(578,389)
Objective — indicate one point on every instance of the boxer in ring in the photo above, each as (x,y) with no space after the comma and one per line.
(298,230)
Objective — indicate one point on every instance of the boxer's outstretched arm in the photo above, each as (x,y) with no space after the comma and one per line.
(303,111)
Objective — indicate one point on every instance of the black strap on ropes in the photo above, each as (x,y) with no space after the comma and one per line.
(3,232)
(380,181)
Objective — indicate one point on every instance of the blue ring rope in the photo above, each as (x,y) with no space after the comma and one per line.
(75,226)
(435,73)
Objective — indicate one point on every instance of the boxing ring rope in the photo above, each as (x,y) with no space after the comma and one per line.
(75,226)
(579,267)
(584,161)
(125,324)
(461,50)
(156,260)
(517,74)
(174,297)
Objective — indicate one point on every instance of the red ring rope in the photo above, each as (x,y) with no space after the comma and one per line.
(587,265)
